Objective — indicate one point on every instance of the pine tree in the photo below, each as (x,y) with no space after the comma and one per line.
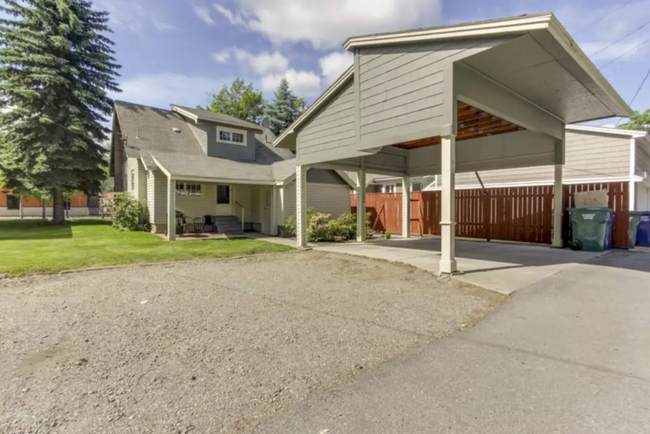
(284,109)
(56,67)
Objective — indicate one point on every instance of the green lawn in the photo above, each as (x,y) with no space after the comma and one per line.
(29,246)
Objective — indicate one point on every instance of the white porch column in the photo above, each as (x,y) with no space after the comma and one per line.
(171,209)
(301,206)
(406,207)
(448,209)
(361,206)
(558,192)
(632,198)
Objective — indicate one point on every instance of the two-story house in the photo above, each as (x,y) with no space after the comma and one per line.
(200,163)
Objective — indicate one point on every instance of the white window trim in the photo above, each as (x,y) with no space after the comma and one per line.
(186,192)
(231,130)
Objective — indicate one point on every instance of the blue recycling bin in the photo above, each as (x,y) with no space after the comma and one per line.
(609,236)
(643,230)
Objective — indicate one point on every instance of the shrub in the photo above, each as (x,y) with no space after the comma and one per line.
(387,235)
(129,214)
(318,228)
(290,226)
(347,226)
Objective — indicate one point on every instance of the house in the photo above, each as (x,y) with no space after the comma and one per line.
(212,164)
(464,98)
(593,155)
(15,205)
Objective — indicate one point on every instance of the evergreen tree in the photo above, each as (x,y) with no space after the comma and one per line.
(56,67)
(239,100)
(284,109)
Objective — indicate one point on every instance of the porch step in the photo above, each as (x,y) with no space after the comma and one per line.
(229,225)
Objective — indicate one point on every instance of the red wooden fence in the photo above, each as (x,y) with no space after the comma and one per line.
(511,214)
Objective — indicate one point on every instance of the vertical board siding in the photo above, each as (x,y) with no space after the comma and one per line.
(522,214)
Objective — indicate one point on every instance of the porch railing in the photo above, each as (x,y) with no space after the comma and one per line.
(243,214)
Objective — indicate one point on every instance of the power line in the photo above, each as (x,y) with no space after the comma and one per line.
(637,92)
(600,19)
(626,52)
(619,40)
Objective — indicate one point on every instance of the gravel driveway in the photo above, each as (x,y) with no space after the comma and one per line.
(209,346)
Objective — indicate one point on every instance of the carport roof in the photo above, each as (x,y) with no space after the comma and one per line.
(578,92)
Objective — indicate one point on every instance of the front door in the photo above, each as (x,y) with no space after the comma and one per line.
(224,200)
(266,198)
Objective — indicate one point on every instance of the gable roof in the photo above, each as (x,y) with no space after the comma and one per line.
(162,138)
(204,115)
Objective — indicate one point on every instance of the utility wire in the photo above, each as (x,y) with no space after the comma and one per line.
(601,19)
(619,40)
(637,92)
(623,54)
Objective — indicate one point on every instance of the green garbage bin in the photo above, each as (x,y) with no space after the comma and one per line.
(635,219)
(590,228)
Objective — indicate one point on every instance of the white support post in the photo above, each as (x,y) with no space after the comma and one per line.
(448,209)
(171,209)
(632,198)
(558,211)
(301,206)
(361,206)
(406,207)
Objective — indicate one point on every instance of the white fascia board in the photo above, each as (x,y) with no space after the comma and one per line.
(187,114)
(332,90)
(606,130)
(519,25)
(540,183)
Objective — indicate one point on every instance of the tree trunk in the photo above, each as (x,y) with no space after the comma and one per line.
(20,207)
(58,208)
(44,209)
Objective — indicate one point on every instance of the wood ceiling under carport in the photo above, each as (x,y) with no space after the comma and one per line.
(472,124)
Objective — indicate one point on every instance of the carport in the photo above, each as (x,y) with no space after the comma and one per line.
(462,98)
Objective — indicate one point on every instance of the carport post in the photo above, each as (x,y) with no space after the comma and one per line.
(558,212)
(406,207)
(361,206)
(171,209)
(448,208)
(301,206)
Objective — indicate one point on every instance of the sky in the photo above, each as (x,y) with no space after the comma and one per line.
(181,51)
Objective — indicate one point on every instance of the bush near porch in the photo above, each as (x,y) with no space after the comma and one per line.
(322,227)
(31,246)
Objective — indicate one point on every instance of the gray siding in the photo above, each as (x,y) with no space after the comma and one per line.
(206,134)
(333,127)
(198,206)
(324,176)
(327,198)
(642,159)
(588,157)
(402,88)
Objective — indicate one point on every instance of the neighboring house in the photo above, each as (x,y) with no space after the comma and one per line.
(217,165)
(386,184)
(593,155)
(79,205)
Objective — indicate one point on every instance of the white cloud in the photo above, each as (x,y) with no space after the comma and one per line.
(234,18)
(222,56)
(164,26)
(160,90)
(333,65)
(303,83)
(203,12)
(264,62)
(326,24)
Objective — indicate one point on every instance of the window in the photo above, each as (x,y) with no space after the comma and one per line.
(223,194)
(13,202)
(188,189)
(228,135)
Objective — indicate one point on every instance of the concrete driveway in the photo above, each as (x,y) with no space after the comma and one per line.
(569,354)
(502,267)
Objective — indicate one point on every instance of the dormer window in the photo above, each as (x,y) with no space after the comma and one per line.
(232,136)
